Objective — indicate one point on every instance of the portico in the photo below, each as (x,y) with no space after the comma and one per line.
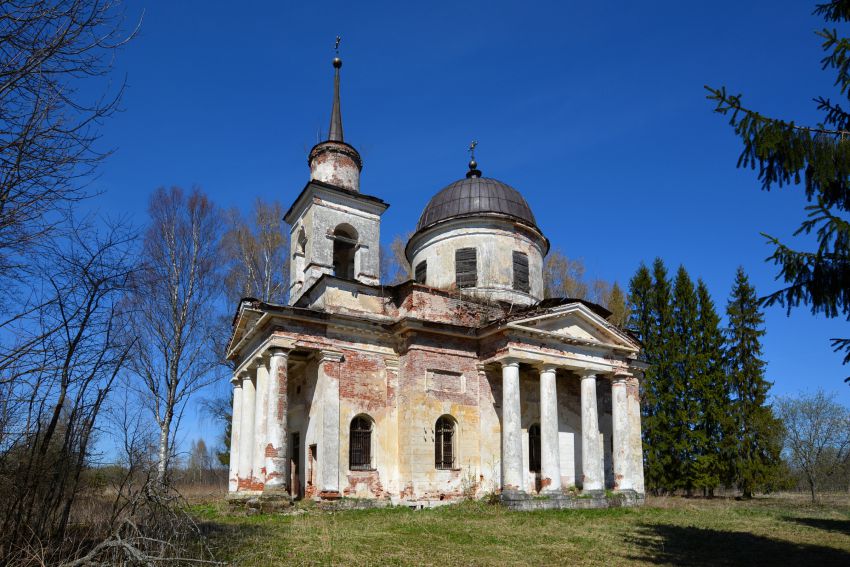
(623,435)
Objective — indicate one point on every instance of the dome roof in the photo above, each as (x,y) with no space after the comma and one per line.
(475,196)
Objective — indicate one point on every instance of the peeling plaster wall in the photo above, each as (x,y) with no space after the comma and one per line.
(495,241)
(405,380)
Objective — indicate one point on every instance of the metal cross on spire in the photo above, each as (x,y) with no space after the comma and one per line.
(336,45)
(473,165)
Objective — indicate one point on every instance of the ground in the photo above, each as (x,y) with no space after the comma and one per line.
(785,530)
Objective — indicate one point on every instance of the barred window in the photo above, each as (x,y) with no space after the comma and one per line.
(521,271)
(421,272)
(444,456)
(534,448)
(360,444)
(466,267)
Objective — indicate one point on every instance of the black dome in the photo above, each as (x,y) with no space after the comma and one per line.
(475,196)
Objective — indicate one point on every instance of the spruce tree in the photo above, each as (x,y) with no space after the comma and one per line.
(642,324)
(757,453)
(711,387)
(819,157)
(684,398)
(618,306)
(665,453)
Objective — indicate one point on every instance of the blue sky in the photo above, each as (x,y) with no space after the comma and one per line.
(596,112)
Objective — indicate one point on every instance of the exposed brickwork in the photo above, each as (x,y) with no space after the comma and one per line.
(250,484)
(362,382)
(368,481)
(405,377)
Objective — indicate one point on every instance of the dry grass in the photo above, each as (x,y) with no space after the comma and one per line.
(667,531)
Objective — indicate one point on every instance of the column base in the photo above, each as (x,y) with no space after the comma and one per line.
(276,492)
(512,495)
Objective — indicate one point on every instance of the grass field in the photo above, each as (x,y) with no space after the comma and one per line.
(780,530)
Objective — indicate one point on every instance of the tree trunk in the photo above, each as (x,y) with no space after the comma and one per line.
(164,436)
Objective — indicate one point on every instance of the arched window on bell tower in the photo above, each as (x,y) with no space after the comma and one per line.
(345,249)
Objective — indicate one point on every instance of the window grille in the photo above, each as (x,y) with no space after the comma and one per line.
(521,271)
(360,445)
(421,272)
(534,448)
(444,443)
(466,267)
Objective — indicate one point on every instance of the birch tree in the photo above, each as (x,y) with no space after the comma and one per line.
(174,306)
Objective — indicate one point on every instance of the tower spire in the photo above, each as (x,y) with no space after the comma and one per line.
(335,130)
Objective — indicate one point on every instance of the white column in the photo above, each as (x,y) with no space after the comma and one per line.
(235,425)
(246,433)
(591,445)
(260,422)
(635,441)
(277,429)
(511,433)
(329,449)
(620,419)
(550,454)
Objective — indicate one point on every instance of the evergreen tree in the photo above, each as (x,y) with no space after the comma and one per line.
(786,153)
(662,348)
(617,305)
(642,324)
(757,451)
(711,387)
(652,321)
(685,400)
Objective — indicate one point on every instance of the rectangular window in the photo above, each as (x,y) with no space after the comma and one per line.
(521,271)
(466,267)
(421,272)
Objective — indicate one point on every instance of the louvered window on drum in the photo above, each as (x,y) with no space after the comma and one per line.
(444,438)
(421,272)
(466,267)
(521,271)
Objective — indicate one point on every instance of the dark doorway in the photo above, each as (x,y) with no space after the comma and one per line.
(295,470)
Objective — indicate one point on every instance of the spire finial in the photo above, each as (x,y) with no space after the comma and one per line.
(335,130)
(473,165)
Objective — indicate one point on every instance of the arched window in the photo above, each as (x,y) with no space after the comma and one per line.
(360,444)
(345,242)
(534,448)
(444,443)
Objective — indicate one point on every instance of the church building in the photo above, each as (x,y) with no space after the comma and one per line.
(461,382)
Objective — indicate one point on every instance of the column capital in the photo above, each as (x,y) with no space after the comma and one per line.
(586,373)
(244,375)
(509,362)
(547,367)
(278,351)
(236,381)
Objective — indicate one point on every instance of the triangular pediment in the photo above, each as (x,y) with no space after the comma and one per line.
(576,323)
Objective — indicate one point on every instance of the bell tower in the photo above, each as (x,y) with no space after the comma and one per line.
(334,228)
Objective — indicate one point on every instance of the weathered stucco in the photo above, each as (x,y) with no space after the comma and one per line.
(403,376)
(495,240)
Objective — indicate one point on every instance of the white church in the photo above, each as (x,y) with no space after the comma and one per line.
(461,382)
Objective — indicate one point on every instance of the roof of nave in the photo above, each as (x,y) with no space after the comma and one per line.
(407,303)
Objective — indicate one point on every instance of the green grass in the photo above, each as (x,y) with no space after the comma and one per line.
(672,531)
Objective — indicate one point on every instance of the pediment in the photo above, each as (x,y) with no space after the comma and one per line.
(576,323)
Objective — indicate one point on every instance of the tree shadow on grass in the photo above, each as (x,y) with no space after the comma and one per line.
(838,526)
(686,545)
